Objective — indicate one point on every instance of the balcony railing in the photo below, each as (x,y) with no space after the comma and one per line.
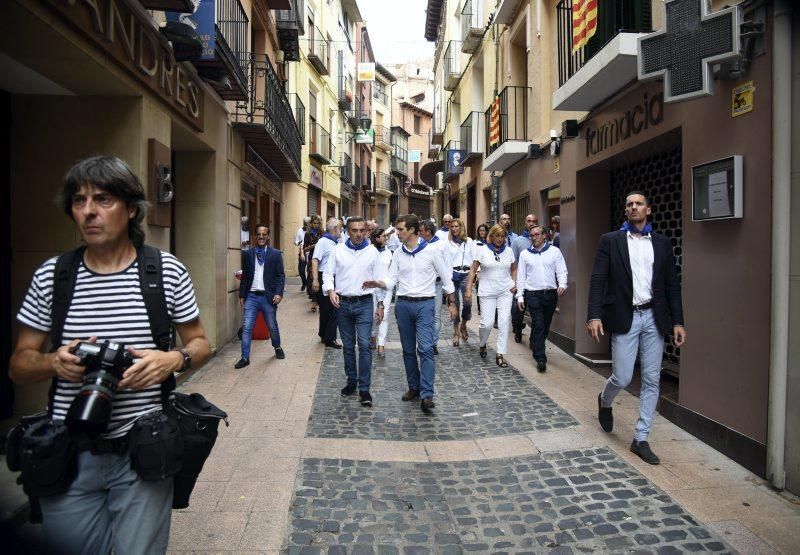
(384,182)
(290,25)
(320,146)
(345,84)
(513,117)
(380,96)
(473,134)
(318,51)
(383,138)
(451,145)
(471,26)
(299,110)
(346,171)
(452,65)
(437,127)
(266,119)
(613,17)
(227,72)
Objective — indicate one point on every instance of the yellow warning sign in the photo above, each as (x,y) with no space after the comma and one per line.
(742,99)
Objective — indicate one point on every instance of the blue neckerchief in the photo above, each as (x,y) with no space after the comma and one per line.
(331,237)
(494,250)
(526,234)
(422,244)
(313,232)
(648,229)
(445,228)
(350,245)
(540,251)
(260,252)
(380,248)
(479,242)
(457,240)
(433,239)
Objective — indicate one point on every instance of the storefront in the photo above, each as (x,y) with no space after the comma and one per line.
(419,201)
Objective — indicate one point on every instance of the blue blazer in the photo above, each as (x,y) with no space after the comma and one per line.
(274,278)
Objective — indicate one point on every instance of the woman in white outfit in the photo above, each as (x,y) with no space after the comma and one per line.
(498,278)
(480,240)
(460,251)
(379,331)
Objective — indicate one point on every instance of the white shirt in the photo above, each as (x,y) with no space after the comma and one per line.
(415,274)
(349,268)
(258,275)
(299,236)
(442,234)
(544,270)
(322,252)
(495,274)
(640,250)
(461,254)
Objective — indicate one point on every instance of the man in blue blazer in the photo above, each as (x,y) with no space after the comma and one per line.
(635,294)
(261,289)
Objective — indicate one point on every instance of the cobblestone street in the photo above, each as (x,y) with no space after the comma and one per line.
(511,461)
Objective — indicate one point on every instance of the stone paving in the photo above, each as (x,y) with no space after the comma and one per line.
(569,502)
(474,398)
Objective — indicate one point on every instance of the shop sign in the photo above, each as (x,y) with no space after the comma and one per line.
(203,21)
(125,31)
(420,190)
(454,159)
(414,156)
(316,178)
(648,113)
(742,99)
(366,71)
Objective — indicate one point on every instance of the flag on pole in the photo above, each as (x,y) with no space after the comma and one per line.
(494,122)
(584,22)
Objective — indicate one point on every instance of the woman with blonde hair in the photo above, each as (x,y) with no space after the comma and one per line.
(459,252)
(498,279)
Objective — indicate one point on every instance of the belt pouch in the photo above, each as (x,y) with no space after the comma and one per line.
(14,439)
(48,458)
(156,446)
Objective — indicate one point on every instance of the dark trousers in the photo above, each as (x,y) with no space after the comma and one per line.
(328,317)
(517,318)
(310,279)
(541,305)
(301,270)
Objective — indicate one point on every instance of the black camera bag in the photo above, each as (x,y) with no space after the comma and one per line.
(48,458)
(14,439)
(155,444)
(199,421)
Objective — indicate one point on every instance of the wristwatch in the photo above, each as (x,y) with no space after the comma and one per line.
(187,360)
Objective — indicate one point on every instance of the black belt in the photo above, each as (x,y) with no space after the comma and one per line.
(258,293)
(116,445)
(539,291)
(355,299)
(413,299)
(461,268)
(643,306)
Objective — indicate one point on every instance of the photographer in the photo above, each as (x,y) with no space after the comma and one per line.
(107,506)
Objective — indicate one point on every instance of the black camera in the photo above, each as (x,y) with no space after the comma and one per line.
(105,363)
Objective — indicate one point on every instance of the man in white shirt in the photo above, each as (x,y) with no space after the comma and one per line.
(442,232)
(428,232)
(541,280)
(519,244)
(319,264)
(352,264)
(301,257)
(414,269)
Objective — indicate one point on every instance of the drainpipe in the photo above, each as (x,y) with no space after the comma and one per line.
(781,254)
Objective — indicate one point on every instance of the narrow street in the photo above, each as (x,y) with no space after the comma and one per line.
(512,461)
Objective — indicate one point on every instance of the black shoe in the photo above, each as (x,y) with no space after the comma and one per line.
(426,405)
(303,287)
(242,362)
(605,416)
(410,395)
(349,389)
(279,354)
(541,366)
(642,448)
(333,345)
(435,350)
(366,398)
(518,337)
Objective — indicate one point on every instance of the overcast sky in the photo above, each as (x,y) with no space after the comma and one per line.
(397,29)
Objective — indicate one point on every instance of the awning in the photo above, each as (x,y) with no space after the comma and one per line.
(427,173)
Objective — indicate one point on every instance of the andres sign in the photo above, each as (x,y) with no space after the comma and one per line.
(650,112)
(125,31)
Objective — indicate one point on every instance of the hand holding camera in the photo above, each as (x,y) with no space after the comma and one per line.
(151,367)
(66,364)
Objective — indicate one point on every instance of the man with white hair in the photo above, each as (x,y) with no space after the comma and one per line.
(319,264)
(442,232)
(301,257)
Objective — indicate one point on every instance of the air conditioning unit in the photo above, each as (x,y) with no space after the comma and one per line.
(439,180)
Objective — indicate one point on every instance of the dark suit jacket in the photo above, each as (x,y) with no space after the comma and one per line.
(611,288)
(274,278)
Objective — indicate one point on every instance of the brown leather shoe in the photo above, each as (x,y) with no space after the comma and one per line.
(427,404)
(410,395)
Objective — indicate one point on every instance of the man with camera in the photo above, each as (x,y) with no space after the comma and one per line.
(106,505)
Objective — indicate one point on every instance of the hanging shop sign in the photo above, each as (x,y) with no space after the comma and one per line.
(414,156)
(366,71)
(123,31)
(648,113)
(420,190)
(742,99)
(203,21)
(454,159)
(316,178)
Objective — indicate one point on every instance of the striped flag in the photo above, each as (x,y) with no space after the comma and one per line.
(494,122)
(584,22)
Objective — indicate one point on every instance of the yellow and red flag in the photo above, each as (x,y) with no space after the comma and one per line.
(494,122)
(584,22)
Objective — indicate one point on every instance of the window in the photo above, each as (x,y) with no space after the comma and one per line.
(312,122)
(417,122)
(416,172)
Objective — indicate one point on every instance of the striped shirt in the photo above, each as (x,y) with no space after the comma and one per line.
(111,307)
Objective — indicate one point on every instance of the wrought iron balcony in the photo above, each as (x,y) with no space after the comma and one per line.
(384,183)
(299,110)
(320,146)
(472,28)
(346,170)
(586,79)
(383,138)
(290,25)
(267,122)
(227,72)
(473,135)
(318,51)
(508,142)
(448,177)
(452,65)
(380,96)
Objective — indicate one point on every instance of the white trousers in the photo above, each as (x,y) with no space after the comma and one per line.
(502,303)
(381,330)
